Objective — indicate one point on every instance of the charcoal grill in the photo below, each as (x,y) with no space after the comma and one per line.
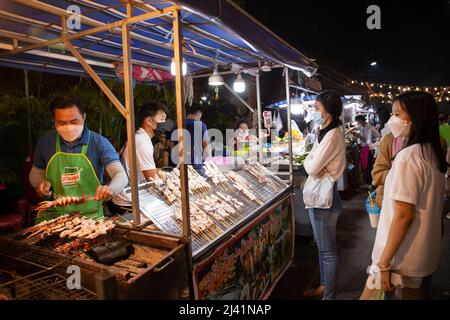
(156,259)
(37,274)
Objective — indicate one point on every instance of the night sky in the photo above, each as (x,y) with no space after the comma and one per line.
(412,47)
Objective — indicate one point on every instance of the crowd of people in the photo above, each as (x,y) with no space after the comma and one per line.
(409,174)
(63,154)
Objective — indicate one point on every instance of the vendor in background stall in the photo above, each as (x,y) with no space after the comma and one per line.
(383,115)
(198,149)
(149,116)
(72,160)
(163,147)
(368,135)
(242,137)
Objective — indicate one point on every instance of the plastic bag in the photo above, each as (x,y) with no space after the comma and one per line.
(277,122)
(318,192)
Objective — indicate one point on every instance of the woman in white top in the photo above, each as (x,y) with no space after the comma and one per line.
(407,244)
(327,157)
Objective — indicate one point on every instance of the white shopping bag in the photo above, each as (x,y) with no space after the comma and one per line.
(318,192)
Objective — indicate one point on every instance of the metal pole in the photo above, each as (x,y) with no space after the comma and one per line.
(288,101)
(129,104)
(27,95)
(238,97)
(181,120)
(258,99)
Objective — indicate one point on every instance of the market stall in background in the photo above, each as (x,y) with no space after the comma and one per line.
(229,235)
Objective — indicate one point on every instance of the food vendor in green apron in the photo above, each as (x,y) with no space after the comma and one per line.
(71,162)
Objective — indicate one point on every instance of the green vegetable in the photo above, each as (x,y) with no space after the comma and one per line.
(300,158)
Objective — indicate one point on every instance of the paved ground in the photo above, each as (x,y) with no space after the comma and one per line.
(355,241)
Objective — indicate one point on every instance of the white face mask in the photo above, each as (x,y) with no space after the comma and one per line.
(70,132)
(317,117)
(398,127)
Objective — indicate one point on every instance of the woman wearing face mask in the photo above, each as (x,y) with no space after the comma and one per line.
(407,244)
(149,116)
(72,160)
(327,158)
(241,136)
(388,147)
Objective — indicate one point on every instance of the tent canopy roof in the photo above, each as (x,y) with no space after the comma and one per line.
(213,32)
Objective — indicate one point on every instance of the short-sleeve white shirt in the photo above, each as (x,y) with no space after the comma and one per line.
(415,179)
(144,161)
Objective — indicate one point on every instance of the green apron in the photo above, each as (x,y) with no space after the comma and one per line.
(72,174)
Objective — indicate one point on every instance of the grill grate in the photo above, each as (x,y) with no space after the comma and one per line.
(48,287)
(155,208)
(44,282)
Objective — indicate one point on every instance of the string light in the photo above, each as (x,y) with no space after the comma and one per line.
(440,93)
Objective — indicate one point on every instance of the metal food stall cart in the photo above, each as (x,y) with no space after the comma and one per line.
(219,257)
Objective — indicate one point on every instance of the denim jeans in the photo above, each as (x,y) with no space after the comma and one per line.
(324,223)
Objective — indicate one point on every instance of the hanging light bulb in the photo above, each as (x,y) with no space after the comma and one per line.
(215,79)
(266,67)
(239,84)
(173,67)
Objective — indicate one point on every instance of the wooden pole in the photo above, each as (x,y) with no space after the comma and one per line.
(181,124)
(112,27)
(181,119)
(129,104)
(97,79)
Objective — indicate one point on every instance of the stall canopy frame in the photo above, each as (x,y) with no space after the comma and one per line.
(204,33)
(214,32)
